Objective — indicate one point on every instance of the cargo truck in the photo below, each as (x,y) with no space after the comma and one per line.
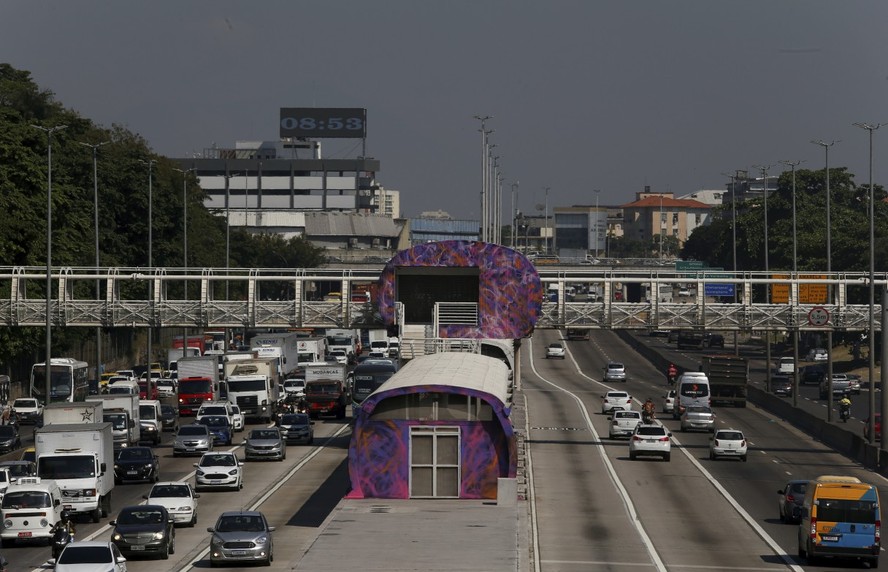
(61,413)
(122,412)
(326,389)
(728,376)
(283,346)
(379,341)
(311,350)
(253,385)
(80,459)
(198,382)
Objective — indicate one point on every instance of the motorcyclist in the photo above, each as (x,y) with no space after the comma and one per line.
(66,522)
(671,373)
(63,533)
(648,409)
(845,407)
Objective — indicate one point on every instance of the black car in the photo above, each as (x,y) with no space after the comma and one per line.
(144,529)
(812,374)
(296,428)
(711,340)
(9,438)
(136,464)
(781,384)
(169,416)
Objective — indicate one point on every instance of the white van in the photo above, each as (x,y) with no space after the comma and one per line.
(124,388)
(693,390)
(150,419)
(30,508)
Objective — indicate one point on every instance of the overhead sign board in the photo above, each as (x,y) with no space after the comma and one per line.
(719,289)
(685,265)
(809,293)
(323,122)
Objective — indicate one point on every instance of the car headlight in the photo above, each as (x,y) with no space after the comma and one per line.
(89,492)
(7,523)
(200,473)
(44,523)
(232,472)
(116,467)
(116,536)
(185,508)
(261,540)
(158,536)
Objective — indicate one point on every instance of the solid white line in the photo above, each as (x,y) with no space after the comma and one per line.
(531,497)
(634,519)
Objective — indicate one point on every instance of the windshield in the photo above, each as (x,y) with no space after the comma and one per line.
(321,388)
(175,491)
(147,412)
(19,469)
(135,454)
(120,390)
(213,410)
(246,385)
(24,403)
(117,420)
(294,383)
(694,389)
(67,467)
(193,432)
(194,386)
(214,421)
(140,515)
(85,555)
(264,434)
(26,499)
(295,419)
(218,461)
(240,522)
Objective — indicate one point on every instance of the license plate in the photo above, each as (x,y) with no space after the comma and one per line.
(829,538)
(24,535)
(133,473)
(238,552)
(67,506)
(137,548)
(191,450)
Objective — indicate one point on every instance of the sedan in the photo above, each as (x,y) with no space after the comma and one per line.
(615,400)
(265,444)
(669,401)
(556,350)
(296,428)
(790,499)
(166,388)
(80,556)
(697,417)
(650,440)
(623,423)
(169,417)
(241,537)
(136,464)
(9,438)
(144,529)
(220,428)
(178,498)
(192,439)
(728,443)
(222,470)
(615,372)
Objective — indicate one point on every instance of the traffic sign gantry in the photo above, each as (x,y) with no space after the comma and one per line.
(818,316)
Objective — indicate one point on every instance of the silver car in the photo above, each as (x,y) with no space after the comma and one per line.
(697,417)
(265,444)
(296,428)
(615,371)
(192,440)
(241,536)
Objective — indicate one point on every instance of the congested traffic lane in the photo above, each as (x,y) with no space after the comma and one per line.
(258,477)
(778,452)
(674,500)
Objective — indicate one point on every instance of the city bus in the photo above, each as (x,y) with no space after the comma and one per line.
(68,382)
(368,376)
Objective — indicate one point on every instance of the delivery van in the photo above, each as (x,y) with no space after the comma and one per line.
(841,517)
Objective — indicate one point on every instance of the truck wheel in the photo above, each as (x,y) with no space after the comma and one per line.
(106,505)
(96,515)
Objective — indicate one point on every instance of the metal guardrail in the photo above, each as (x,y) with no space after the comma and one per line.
(134,297)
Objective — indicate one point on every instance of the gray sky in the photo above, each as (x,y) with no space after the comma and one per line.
(608,94)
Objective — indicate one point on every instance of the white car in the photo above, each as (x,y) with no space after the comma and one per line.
(613,400)
(212,408)
(652,439)
(178,498)
(340,356)
(166,387)
(818,354)
(223,470)
(555,350)
(237,418)
(80,556)
(728,443)
(623,423)
(669,401)
(294,387)
(27,409)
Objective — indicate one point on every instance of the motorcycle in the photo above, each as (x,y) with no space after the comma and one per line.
(647,417)
(61,537)
(670,379)
(845,412)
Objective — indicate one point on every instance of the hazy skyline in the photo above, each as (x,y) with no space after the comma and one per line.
(610,95)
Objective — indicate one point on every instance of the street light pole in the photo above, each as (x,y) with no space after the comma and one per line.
(150,163)
(228,178)
(48,363)
(484,133)
(764,170)
(513,242)
(872,286)
(95,149)
(547,221)
(795,269)
(185,248)
(597,222)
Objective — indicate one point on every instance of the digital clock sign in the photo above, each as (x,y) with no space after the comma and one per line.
(321,122)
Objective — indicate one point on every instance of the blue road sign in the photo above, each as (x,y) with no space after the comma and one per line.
(718,289)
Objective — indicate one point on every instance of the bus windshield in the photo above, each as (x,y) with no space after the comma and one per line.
(368,379)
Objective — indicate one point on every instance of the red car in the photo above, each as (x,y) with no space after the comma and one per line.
(878,428)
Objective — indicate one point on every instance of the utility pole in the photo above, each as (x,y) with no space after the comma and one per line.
(484,133)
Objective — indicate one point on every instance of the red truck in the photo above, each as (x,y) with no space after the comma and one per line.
(326,397)
(196,341)
(193,391)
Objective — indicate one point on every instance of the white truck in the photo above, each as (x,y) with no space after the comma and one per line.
(379,341)
(253,385)
(80,459)
(175,354)
(122,412)
(311,350)
(283,346)
(85,412)
(200,366)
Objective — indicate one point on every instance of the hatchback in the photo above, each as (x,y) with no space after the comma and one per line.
(555,350)
(697,417)
(79,556)
(192,440)
(790,500)
(615,371)
(669,401)
(241,537)
(615,400)
(178,498)
(623,423)
(144,530)
(781,384)
(727,443)
(219,470)
(650,440)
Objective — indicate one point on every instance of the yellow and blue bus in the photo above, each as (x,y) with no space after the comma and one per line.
(68,381)
(841,517)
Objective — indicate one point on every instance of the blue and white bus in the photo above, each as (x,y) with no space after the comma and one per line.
(368,376)
(68,381)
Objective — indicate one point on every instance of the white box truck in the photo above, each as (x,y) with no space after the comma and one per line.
(203,366)
(86,412)
(379,341)
(311,350)
(283,346)
(253,385)
(80,459)
(122,412)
